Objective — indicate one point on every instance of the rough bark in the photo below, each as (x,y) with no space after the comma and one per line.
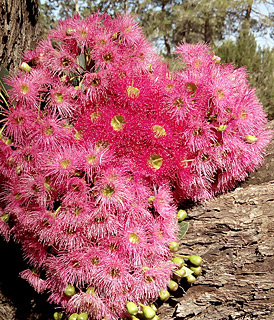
(19,30)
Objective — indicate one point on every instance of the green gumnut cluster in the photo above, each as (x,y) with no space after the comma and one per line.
(145,312)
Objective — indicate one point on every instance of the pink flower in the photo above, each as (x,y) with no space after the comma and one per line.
(24,90)
(32,277)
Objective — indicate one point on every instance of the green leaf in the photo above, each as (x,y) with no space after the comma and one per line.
(82,61)
(3,73)
(183,228)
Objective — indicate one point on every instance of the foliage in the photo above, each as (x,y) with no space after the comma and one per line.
(258,61)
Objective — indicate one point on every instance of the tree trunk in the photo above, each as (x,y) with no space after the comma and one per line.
(19,30)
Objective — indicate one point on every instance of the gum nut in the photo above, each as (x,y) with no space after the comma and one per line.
(69,291)
(153,307)
(132,308)
(196,270)
(173,286)
(178,261)
(190,278)
(164,294)
(180,272)
(181,215)
(57,315)
(82,316)
(174,246)
(74,316)
(195,260)
(149,313)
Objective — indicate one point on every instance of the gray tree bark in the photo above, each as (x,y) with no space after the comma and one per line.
(19,30)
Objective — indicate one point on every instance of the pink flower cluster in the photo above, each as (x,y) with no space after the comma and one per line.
(99,140)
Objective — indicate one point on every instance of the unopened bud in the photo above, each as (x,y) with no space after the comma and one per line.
(25,67)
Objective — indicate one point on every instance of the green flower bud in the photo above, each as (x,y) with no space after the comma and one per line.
(57,315)
(173,286)
(181,215)
(132,308)
(153,307)
(174,246)
(164,294)
(156,317)
(74,316)
(195,260)
(25,67)
(70,290)
(148,312)
(190,278)
(196,270)
(82,316)
(180,272)
(178,261)
(132,318)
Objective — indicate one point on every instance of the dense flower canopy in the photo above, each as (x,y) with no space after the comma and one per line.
(102,143)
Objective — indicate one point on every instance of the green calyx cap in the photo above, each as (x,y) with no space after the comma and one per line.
(69,291)
(82,316)
(174,246)
(74,316)
(132,308)
(190,279)
(164,294)
(148,312)
(57,315)
(153,307)
(173,286)
(195,260)
(196,270)
(178,261)
(181,215)
(250,139)
(5,217)
(25,67)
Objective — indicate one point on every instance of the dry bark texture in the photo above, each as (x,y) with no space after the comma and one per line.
(19,30)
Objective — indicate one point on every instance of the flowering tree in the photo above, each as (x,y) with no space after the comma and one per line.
(100,144)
